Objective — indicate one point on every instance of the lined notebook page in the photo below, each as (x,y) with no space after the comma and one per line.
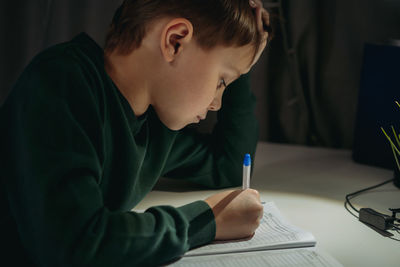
(300,257)
(274,232)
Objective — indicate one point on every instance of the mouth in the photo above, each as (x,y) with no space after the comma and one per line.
(200,118)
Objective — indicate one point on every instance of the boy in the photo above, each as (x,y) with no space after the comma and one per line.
(89,132)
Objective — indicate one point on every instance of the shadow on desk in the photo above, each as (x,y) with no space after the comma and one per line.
(325,173)
(319,172)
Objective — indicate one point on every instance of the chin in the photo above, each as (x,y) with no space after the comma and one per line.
(174,126)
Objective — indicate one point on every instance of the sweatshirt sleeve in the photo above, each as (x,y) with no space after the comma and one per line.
(215,160)
(54,177)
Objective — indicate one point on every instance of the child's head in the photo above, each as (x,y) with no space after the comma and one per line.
(215,22)
(180,54)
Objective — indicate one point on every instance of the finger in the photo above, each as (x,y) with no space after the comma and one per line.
(252,3)
(266,24)
(262,15)
(254,192)
(256,3)
(261,215)
(265,16)
(260,26)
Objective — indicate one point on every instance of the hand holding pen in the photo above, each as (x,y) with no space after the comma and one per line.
(237,212)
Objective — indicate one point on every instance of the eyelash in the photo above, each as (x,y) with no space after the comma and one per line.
(221,83)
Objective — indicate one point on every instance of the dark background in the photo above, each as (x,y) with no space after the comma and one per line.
(306,82)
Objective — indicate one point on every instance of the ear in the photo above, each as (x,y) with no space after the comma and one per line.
(176,34)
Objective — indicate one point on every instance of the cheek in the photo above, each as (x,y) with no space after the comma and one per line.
(203,88)
(197,87)
(201,96)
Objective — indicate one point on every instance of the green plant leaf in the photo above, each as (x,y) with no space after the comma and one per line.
(391,142)
(395,136)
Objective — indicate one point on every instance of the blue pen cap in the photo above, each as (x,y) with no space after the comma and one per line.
(247,160)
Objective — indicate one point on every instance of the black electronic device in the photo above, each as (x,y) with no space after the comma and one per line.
(379,89)
(381,221)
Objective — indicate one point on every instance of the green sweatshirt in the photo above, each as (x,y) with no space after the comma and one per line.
(75,160)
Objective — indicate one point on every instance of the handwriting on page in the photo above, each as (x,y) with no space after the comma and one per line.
(282,258)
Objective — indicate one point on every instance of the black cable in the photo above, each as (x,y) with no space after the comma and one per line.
(354,194)
(395,227)
(394,238)
(347,208)
(347,203)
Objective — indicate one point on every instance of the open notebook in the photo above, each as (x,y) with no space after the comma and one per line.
(275,243)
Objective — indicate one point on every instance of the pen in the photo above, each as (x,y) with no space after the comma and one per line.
(246,171)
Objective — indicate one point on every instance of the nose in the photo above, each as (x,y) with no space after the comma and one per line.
(216,103)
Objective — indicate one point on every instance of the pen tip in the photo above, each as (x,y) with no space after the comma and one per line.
(247,160)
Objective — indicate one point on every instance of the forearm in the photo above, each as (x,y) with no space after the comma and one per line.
(237,129)
(152,238)
(72,228)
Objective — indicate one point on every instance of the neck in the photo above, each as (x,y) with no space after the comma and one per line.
(129,74)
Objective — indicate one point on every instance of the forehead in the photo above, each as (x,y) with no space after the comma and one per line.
(236,58)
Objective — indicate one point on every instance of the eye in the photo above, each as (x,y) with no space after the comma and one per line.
(221,83)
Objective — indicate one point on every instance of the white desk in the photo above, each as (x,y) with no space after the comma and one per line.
(309,186)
